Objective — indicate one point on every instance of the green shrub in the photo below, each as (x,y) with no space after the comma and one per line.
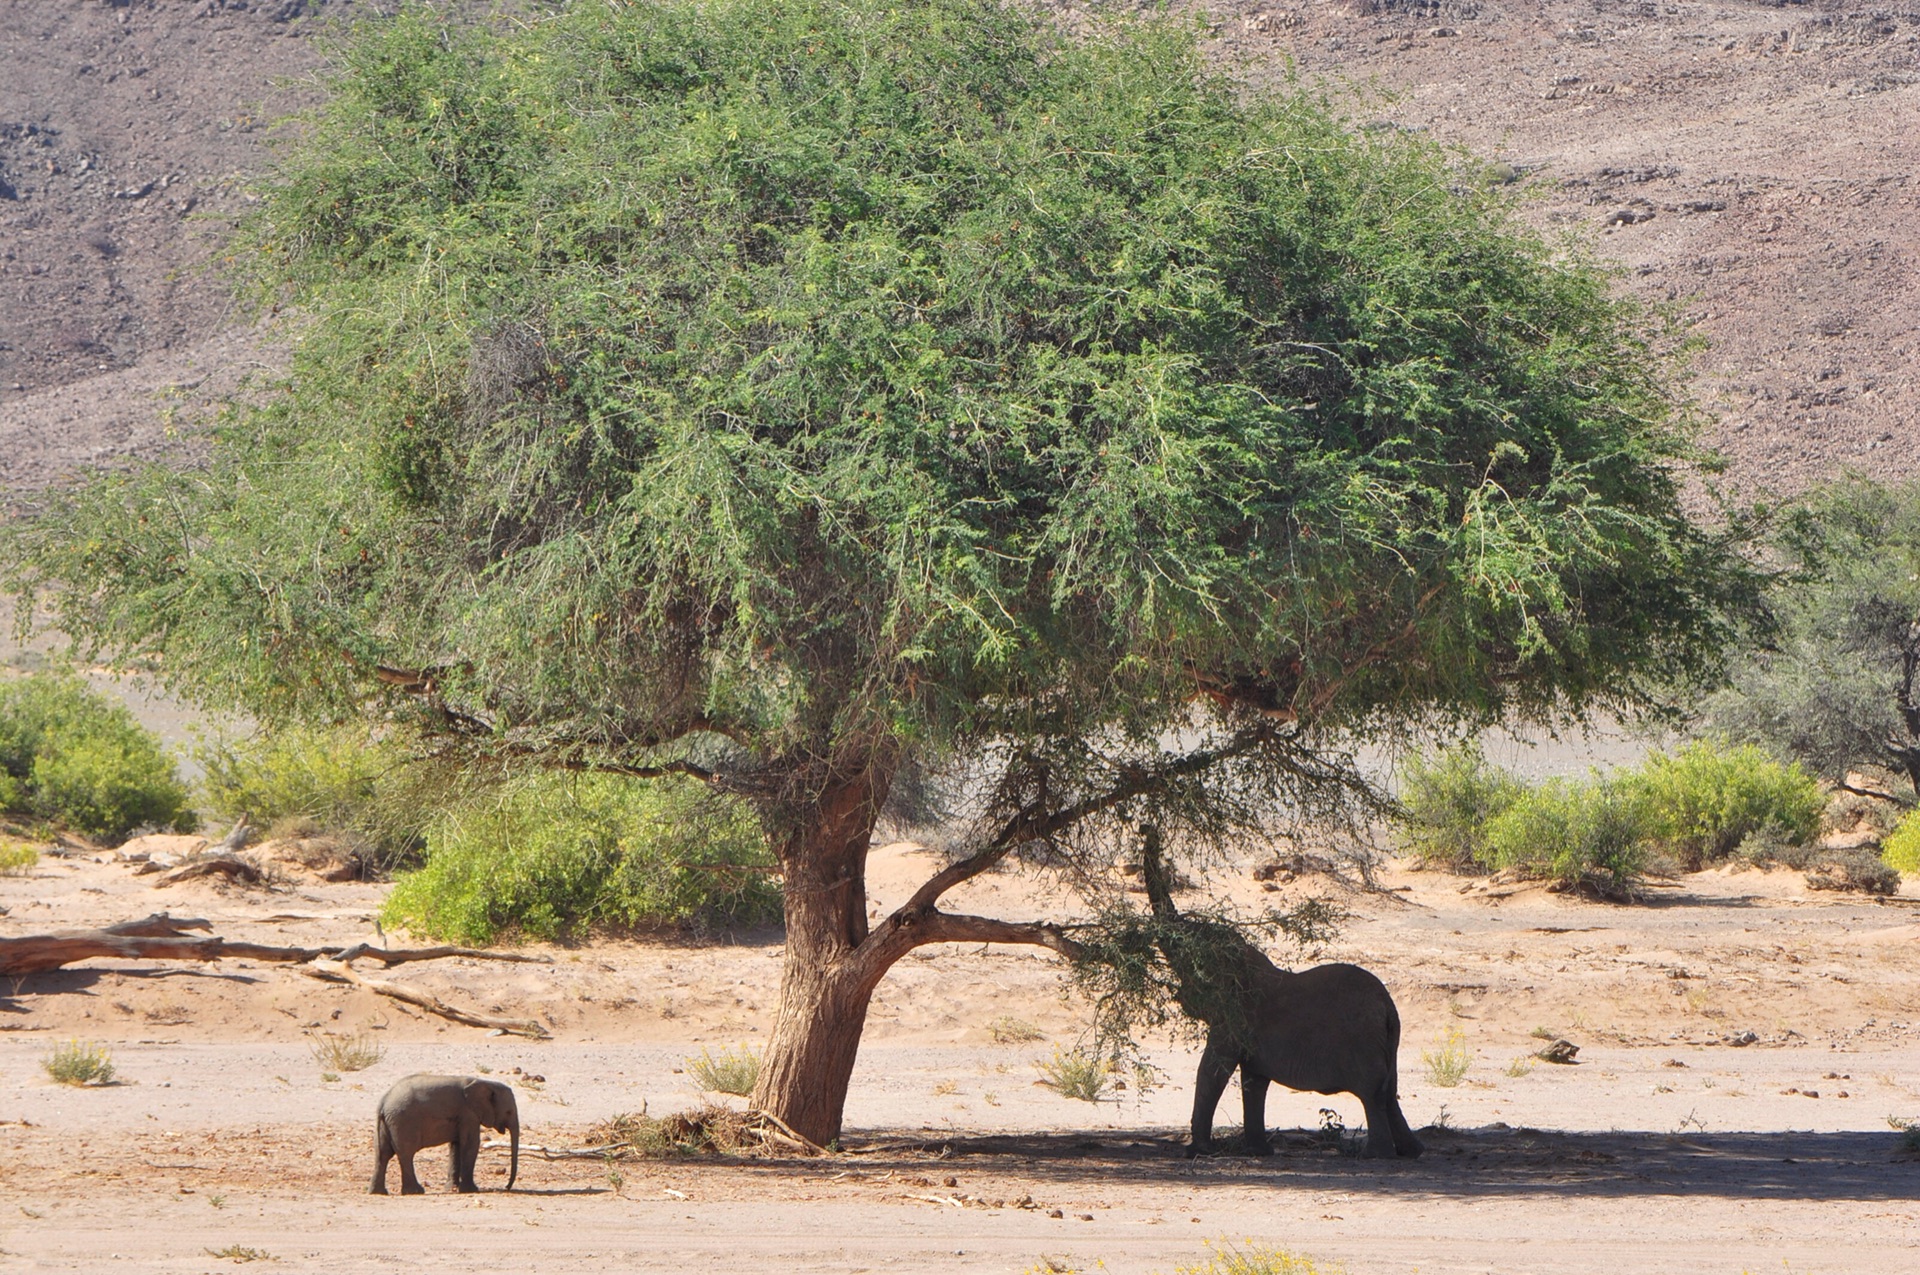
(1901,850)
(1573,830)
(16,856)
(564,854)
(1077,1073)
(734,1071)
(72,755)
(1446,802)
(338,779)
(79,1062)
(1703,801)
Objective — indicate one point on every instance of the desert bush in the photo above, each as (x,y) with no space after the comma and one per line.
(73,756)
(341,780)
(1572,831)
(79,1062)
(1446,802)
(1226,1259)
(346,1053)
(1448,1063)
(1901,849)
(16,857)
(1077,1073)
(552,855)
(1703,801)
(733,1071)
(1008,1030)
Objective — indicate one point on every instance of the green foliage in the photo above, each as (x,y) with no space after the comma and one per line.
(1697,806)
(337,778)
(71,755)
(79,1062)
(565,854)
(1901,849)
(1703,801)
(1447,1064)
(1078,1073)
(1829,681)
(1446,802)
(857,371)
(1137,968)
(733,1071)
(1573,831)
(707,1129)
(16,856)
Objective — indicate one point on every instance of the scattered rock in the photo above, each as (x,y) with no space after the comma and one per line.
(1560,1051)
(1739,1039)
(1629,216)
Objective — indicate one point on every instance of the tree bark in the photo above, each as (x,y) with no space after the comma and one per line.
(826,981)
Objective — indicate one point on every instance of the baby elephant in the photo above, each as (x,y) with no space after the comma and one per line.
(427,1111)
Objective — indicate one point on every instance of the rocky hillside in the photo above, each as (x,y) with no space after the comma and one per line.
(1751,161)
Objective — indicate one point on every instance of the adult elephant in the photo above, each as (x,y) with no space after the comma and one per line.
(429,1111)
(1330,1029)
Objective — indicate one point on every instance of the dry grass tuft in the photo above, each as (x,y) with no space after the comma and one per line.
(733,1071)
(346,1053)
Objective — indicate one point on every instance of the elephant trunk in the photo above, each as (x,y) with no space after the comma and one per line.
(513,1131)
(1155,877)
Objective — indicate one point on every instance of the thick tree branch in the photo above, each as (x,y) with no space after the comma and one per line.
(1032,824)
(904,931)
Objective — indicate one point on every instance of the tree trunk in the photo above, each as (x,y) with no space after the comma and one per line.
(827,979)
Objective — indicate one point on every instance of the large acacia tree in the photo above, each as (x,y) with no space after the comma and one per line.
(801,394)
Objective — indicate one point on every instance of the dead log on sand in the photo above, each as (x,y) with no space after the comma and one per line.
(340,972)
(161,937)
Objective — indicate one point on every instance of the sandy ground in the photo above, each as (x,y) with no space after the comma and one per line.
(1669,1146)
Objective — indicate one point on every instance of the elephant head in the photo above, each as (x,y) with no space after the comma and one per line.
(494,1104)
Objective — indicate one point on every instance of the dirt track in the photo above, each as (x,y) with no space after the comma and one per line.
(1667,1147)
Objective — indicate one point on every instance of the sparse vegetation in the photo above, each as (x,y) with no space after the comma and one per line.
(560,854)
(1008,1030)
(71,755)
(1448,1063)
(1447,800)
(240,1253)
(356,1052)
(1519,1066)
(1256,1259)
(1077,1073)
(341,780)
(733,1071)
(79,1062)
(1693,807)
(16,856)
(1909,1131)
(1901,850)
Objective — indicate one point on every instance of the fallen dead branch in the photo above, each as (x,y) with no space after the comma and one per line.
(230,866)
(163,937)
(338,971)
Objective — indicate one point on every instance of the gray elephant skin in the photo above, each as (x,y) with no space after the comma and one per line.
(1329,1029)
(431,1111)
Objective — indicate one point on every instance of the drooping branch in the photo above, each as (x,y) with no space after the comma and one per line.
(1033,822)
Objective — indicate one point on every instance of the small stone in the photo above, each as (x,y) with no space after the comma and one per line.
(1560,1051)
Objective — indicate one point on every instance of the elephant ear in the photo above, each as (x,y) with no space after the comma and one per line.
(482,1094)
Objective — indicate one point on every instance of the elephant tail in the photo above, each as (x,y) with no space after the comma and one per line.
(513,1131)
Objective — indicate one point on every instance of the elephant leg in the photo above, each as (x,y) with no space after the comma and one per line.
(1253,1107)
(1383,1113)
(409,1184)
(382,1152)
(1216,1068)
(466,1154)
(1404,1141)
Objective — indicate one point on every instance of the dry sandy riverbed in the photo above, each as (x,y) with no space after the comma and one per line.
(1666,1148)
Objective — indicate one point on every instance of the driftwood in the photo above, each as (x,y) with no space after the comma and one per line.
(230,866)
(160,937)
(341,972)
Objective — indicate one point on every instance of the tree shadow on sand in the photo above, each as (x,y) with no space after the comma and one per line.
(1491,1161)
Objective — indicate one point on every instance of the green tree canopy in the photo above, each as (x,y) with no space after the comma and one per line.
(1833,682)
(789,392)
